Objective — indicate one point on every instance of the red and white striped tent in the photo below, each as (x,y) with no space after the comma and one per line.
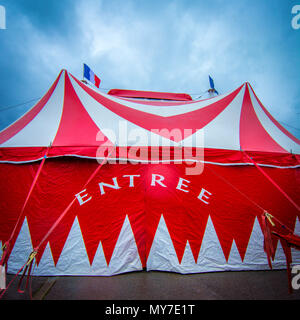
(185,187)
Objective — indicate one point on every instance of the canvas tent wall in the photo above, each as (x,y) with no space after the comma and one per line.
(150,211)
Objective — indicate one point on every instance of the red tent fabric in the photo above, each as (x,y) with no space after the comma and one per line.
(177,191)
(150,95)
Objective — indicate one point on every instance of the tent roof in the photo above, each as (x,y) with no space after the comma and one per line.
(76,119)
(150,95)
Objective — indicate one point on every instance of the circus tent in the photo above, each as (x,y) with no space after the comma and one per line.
(104,183)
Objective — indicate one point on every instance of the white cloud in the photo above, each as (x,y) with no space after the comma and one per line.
(167,50)
(118,43)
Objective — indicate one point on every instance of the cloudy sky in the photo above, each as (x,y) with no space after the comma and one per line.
(152,45)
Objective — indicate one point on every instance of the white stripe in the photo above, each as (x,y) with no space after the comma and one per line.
(282,139)
(159,161)
(20,117)
(92,77)
(42,129)
(223,132)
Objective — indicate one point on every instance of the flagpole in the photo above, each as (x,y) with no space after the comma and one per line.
(84,81)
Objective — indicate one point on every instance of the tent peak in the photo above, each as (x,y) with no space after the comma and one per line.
(62,72)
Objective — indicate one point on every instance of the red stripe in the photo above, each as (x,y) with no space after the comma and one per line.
(253,136)
(97,81)
(20,124)
(277,124)
(76,126)
(150,95)
(274,183)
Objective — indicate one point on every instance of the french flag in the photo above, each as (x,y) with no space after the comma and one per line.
(90,75)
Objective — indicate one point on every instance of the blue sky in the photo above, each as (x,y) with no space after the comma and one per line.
(153,45)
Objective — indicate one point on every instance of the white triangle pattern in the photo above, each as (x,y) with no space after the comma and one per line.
(163,257)
(74,260)
(73,256)
(21,249)
(255,255)
(234,259)
(279,259)
(211,255)
(125,257)
(188,260)
(46,265)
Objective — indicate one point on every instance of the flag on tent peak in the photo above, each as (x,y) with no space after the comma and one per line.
(212,85)
(90,75)
(211,82)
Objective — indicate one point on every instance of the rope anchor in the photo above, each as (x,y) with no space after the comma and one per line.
(31,257)
(269,217)
(28,268)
